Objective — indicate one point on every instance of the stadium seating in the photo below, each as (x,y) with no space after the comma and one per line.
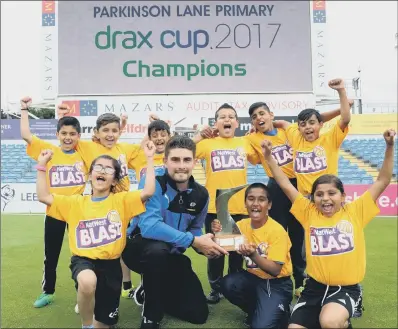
(17,167)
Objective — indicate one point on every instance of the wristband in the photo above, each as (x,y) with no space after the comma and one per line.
(24,109)
(40,168)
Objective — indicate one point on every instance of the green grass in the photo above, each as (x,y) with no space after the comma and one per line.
(22,257)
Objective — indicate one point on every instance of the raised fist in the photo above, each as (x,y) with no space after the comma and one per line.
(62,110)
(389,136)
(26,102)
(336,84)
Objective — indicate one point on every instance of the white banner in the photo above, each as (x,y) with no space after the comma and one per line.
(181,110)
(49,53)
(22,198)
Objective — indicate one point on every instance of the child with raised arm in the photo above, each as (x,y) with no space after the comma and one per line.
(335,242)
(97,225)
(66,175)
(317,154)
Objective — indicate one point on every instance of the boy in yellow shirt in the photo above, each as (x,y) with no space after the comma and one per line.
(317,154)
(226,167)
(335,240)
(97,226)
(66,175)
(159,134)
(264,291)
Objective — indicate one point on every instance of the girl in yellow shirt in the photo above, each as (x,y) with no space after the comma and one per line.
(97,232)
(335,242)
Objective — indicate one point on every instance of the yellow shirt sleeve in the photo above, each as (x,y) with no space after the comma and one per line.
(279,247)
(132,152)
(133,204)
(252,156)
(302,209)
(86,150)
(138,162)
(337,135)
(62,206)
(201,149)
(36,146)
(364,208)
(293,135)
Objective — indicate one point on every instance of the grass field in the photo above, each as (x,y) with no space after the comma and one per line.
(21,273)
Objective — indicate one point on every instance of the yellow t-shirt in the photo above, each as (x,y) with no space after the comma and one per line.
(123,152)
(317,158)
(281,151)
(272,242)
(97,229)
(335,247)
(139,163)
(66,172)
(226,167)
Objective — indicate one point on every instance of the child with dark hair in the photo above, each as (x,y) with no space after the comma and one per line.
(264,291)
(66,175)
(159,134)
(227,160)
(97,225)
(317,154)
(335,242)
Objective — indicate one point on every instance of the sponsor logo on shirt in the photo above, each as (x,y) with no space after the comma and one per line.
(67,175)
(309,162)
(123,166)
(283,154)
(262,250)
(99,232)
(228,160)
(326,241)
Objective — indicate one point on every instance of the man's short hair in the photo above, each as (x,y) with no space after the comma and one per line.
(180,142)
(69,121)
(257,105)
(225,106)
(158,125)
(304,115)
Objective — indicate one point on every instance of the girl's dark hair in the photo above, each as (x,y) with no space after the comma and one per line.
(259,185)
(327,179)
(105,119)
(115,165)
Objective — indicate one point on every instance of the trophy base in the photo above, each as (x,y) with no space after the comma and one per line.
(230,242)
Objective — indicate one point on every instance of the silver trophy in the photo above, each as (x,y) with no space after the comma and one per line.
(230,237)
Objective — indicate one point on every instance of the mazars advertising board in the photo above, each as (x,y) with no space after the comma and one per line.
(182,110)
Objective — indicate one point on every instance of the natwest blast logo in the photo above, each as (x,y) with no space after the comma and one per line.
(262,250)
(228,160)
(283,154)
(99,232)
(309,162)
(67,175)
(327,241)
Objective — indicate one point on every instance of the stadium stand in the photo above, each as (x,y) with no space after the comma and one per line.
(359,163)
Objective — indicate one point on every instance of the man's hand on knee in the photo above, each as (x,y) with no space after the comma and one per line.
(206,245)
